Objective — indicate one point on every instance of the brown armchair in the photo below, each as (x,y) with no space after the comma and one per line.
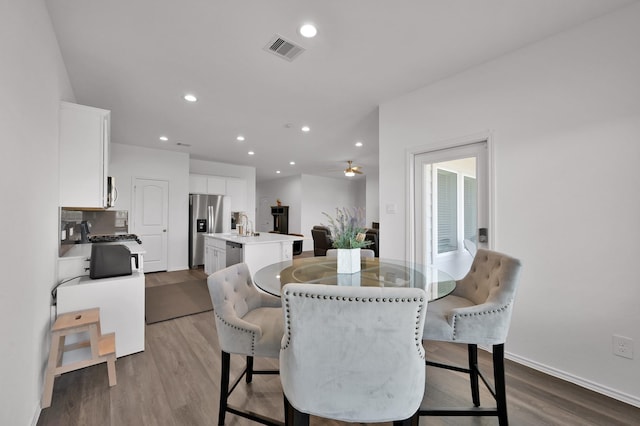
(321,240)
(372,235)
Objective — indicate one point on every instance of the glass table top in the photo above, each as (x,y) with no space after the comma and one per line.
(374,272)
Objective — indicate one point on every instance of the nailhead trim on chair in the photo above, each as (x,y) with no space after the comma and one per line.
(253,335)
(357,299)
(493,311)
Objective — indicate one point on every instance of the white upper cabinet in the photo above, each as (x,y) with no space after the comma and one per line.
(234,188)
(216,185)
(197,184)
(84,155)
(203,184)
(237,190)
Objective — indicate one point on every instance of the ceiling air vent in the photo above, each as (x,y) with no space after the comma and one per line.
(283,48)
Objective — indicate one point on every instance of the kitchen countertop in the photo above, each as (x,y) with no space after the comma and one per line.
(263,238)
(84,250)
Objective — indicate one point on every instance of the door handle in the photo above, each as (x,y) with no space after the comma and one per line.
(164,230)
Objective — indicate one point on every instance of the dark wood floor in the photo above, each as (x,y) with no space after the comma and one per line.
(175,382)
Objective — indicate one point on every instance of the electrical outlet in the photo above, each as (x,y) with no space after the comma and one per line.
(623,346)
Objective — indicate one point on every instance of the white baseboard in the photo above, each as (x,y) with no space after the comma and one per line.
(596,387)
(36,415)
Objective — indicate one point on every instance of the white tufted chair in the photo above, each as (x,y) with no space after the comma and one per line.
(478,312)
(248,323)
(364,253)
(352,353)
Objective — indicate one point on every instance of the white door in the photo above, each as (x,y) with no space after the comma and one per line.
(264,215)
(451,206)
(150,212)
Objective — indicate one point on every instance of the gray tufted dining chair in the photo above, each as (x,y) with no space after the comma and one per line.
(248,323)
(352,353)
(477,312)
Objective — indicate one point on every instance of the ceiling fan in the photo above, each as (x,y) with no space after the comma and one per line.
(352,170)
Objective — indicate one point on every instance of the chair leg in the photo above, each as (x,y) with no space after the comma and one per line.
(411,421)
(288,411)
(473,374)
(249,374)
(498,390)
(293,417)
(224,386)
(500,384)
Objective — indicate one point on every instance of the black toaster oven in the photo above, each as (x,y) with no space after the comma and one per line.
(109,260)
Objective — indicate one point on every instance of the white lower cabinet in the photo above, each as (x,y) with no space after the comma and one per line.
(209,259)
(215,255)
(257,256)
(121,303)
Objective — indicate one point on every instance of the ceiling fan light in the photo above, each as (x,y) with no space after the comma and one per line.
(349,173)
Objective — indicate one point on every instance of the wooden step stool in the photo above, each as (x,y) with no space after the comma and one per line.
(103,347)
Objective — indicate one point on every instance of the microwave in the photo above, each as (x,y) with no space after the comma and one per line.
(112,192)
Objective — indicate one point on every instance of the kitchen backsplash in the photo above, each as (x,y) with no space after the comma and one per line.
(99,222)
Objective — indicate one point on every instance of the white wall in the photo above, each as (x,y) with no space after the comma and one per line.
(33,80)
(128,162)
(289,191)
(307,197)
(564,119)
(372,199)
(323,194)
(230,170)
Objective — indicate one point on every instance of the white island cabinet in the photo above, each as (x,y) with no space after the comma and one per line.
(215,255)
(84,155)
(257,251)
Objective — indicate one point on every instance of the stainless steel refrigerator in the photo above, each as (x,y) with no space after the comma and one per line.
(205,216)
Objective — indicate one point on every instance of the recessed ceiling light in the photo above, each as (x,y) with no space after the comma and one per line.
(164,138)
(190,98)
(240,138)
(358,144)
(305,128)
(250,152)
(278,171)
(308,30)
(293,163)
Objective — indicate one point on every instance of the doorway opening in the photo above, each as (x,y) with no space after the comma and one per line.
(451,205)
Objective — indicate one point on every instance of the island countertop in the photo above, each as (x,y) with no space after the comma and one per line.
(263,238)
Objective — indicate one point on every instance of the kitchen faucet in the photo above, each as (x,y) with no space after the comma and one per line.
(248,225)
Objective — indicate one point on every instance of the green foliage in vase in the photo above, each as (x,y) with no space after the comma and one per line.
(346,226)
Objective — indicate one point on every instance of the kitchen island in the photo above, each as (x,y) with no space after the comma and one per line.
(257,251)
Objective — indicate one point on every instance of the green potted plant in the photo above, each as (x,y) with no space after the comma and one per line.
(348,233)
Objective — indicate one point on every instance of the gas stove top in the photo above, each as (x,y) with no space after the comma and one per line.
(114,238)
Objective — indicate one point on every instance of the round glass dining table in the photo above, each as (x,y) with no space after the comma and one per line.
(373,272)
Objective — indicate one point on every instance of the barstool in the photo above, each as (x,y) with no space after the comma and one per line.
(103,347)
